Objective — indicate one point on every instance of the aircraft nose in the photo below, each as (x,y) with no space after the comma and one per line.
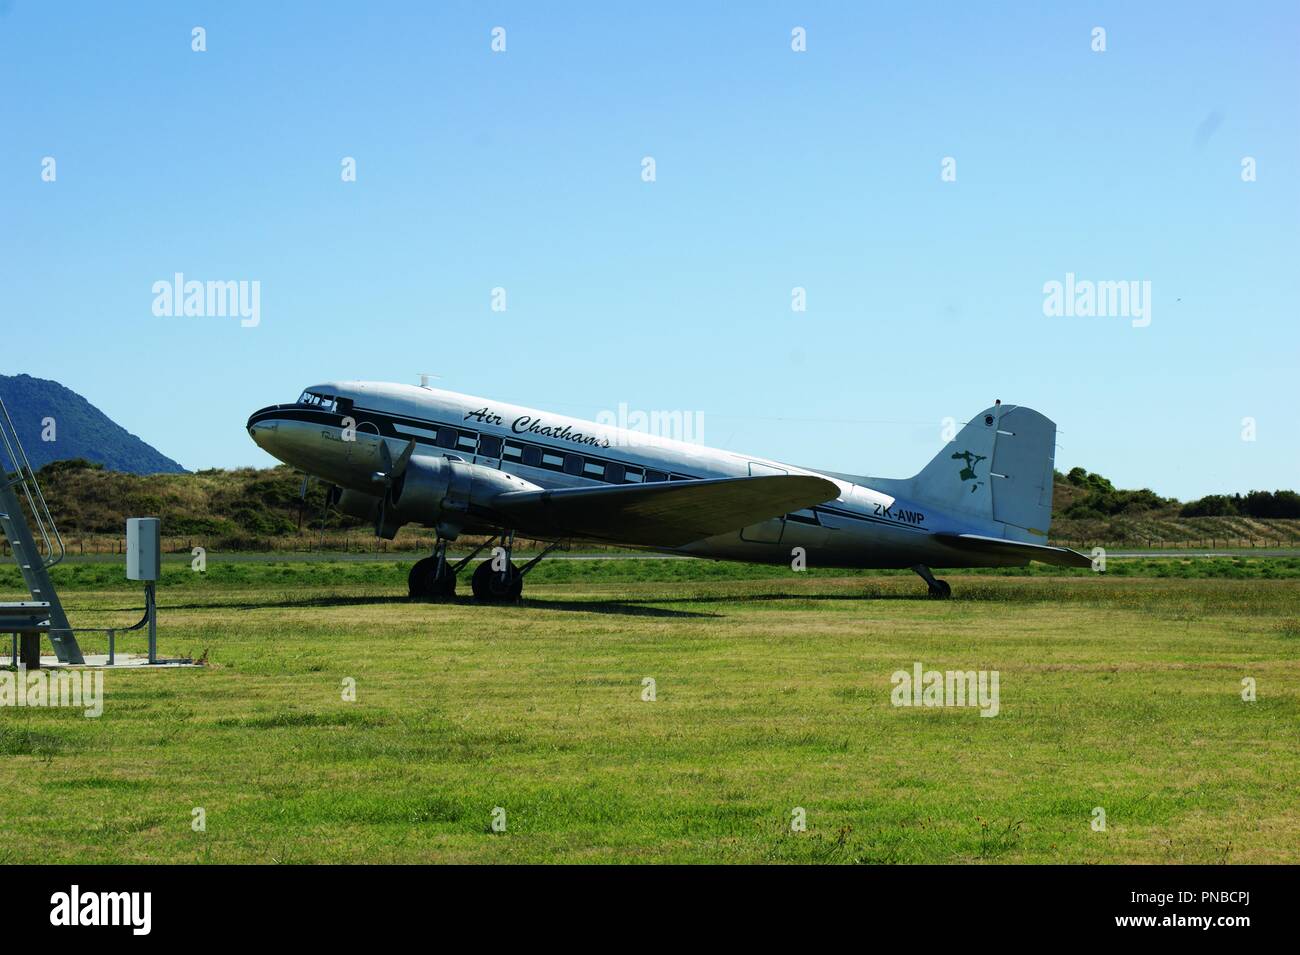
(262,424)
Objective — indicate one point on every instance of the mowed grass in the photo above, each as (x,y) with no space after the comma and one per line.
(773,692)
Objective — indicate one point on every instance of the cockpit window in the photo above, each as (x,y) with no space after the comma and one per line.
(313,400)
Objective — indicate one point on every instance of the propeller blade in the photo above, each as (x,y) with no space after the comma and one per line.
(391,472)
(403,459)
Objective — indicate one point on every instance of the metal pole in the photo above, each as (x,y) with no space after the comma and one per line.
(152,608)
(31,650)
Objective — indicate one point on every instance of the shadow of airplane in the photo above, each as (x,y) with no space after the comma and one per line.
(631,608)
(755,598)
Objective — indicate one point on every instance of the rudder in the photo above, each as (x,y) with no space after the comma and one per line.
(999,467)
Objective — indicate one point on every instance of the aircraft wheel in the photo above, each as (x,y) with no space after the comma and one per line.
(424,580)
(490,588)
(941,590)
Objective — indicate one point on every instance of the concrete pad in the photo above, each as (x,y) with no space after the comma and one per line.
(121,661)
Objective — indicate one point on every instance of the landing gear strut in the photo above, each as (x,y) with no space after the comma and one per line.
(939,589)
(498,580)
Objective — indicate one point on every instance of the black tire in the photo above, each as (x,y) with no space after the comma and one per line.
(424,582)
(415,579)
(941,590)
(489,587)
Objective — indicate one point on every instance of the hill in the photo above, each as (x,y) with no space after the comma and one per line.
(233,507)
(1088,509)
(80,430)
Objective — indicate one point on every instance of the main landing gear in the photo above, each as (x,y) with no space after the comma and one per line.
(496,586)
(495,580)
(432,577)
(939,589)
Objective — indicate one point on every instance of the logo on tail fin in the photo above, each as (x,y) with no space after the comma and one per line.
(968,472)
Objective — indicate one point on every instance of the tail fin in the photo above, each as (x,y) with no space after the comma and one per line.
(999,467)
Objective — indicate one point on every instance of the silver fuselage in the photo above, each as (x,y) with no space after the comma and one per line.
(340,444)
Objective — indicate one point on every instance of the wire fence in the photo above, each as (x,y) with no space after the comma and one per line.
(354,543)
(1207,543)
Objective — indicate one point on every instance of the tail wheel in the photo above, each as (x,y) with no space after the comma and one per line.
(492,586)
(941,590)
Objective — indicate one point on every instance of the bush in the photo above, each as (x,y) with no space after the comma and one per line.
(56,468)
(1103,500)
(205,526)
(1212,505)
(1092,482)
(1276,504)
(1263,504)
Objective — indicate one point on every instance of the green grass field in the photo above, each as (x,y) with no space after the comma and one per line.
(773,692)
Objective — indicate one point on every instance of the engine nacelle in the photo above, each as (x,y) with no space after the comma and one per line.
(444,493)
(357,504)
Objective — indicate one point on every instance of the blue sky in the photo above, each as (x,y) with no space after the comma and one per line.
(774,169)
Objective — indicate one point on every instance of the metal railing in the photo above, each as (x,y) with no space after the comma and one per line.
(16,463)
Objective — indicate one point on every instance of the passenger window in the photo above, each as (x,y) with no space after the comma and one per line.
(655,476)
(489,446)
(614,473)
(552,460)
(532,456)
(594,469)
(447,438)
(512,452)
(632,475)
(573,464)
(468,441)
(679,477)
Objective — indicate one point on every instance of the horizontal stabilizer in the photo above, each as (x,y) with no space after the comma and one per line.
(1060,556)
(661,514)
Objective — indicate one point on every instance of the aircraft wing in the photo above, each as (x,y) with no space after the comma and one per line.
(1060,556)
(662,514)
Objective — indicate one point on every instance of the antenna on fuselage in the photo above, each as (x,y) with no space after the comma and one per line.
(424,378)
